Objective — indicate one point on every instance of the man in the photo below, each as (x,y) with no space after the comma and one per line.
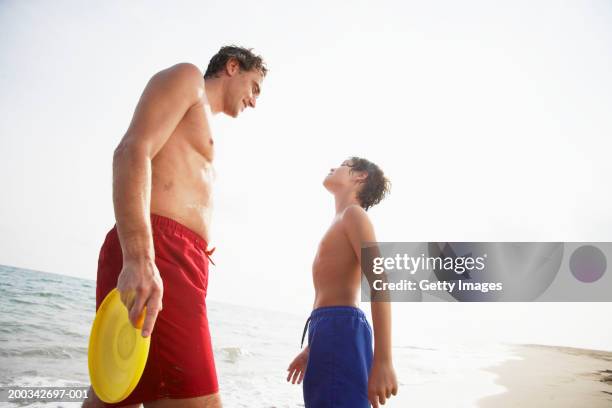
(338,367)
(162,199)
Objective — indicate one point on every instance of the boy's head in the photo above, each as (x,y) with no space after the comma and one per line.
(361,176)
(242,73)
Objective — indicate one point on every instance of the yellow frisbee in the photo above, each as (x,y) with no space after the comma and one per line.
(117,351)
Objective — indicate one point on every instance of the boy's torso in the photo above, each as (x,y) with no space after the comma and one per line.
(181,184)
(336,273)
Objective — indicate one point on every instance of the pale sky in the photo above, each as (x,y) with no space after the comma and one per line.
(492,120)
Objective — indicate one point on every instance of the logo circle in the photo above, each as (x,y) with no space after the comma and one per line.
(588,263)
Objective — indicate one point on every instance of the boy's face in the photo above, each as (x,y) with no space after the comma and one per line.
(242,90)
(342,177)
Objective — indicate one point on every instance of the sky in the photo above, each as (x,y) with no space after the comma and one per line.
(492,120)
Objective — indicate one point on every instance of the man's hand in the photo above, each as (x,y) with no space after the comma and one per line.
(382,383)
(297,368)
(140,285)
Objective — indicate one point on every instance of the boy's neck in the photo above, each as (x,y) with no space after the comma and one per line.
(345,200)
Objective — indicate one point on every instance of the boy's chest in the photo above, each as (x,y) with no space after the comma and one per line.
(335,243)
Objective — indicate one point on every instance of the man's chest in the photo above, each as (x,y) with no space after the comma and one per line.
(194,132)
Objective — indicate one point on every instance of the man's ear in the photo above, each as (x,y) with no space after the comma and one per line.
(232,67)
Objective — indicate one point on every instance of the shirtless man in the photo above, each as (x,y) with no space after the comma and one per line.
(337,366)
(158,248)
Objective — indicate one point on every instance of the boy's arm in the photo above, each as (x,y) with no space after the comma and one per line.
(382,382)
(297,368)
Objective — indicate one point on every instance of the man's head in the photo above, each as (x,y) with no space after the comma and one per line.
(242,73)
(362,177)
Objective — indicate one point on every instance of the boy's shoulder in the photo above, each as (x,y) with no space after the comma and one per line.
(354,215)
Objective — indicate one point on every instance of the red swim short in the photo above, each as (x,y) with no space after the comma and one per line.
(180,362)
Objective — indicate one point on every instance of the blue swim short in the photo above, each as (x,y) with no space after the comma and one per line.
(340,358)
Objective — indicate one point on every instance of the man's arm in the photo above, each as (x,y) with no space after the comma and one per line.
(382,382)
(168,95)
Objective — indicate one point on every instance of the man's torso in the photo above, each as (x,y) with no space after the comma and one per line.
(182,172)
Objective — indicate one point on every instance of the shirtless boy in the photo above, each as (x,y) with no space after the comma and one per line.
(158,248)
(337,366)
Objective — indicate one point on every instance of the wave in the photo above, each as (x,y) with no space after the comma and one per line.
(233,354)
(32,379)
(54,352)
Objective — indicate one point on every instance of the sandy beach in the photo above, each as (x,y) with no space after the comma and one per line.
(488,375)
(549,376)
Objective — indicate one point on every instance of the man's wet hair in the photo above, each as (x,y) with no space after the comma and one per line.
(245,57)
(375,187)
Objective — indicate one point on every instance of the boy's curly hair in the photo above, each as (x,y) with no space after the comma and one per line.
(375,187)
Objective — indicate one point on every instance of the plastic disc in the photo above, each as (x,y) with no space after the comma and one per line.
(117,351)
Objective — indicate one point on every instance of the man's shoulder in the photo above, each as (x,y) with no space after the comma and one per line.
(184,69)
(182,81)
(183,72)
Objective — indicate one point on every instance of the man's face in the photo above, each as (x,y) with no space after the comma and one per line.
(242,90)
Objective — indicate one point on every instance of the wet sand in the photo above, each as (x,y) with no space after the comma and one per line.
(550,376)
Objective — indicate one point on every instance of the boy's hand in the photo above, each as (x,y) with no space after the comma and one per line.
(297,368)
(382,383)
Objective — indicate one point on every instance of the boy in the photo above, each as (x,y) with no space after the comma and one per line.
(337,366)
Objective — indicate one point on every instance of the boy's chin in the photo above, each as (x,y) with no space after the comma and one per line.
(232,113)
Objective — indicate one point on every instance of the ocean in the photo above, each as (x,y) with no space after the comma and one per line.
(45,320)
